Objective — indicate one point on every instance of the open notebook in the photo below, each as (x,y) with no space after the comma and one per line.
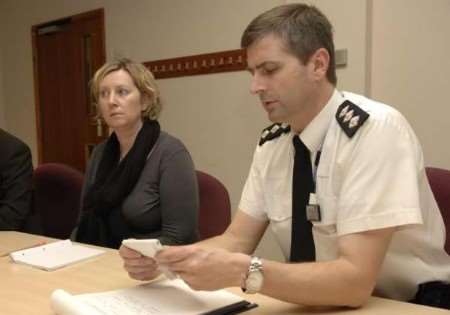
(54,255)
(172,297)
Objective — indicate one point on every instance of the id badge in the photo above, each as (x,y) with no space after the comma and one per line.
(313,209)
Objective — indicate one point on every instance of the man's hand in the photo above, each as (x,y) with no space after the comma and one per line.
(205,269)
(138,267)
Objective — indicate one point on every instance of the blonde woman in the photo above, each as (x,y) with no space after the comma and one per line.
(141,181)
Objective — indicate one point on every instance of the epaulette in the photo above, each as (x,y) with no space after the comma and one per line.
(350,117)
(273,131)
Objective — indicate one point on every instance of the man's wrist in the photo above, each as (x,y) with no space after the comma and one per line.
(240,265)
(254,278)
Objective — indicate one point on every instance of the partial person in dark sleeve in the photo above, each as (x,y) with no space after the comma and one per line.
(141,182)
(16,170)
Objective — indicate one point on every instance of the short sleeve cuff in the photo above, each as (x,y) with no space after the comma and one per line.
(380,221)
(252,210)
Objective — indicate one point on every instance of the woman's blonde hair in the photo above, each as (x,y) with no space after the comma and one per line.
(142,78)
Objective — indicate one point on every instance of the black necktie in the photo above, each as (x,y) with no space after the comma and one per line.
(302,242)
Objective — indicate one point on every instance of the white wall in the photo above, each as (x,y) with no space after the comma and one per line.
(411,68)
(350,32)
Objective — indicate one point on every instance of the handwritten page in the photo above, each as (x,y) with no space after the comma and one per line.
(164,297)
(54,255)
(65,304)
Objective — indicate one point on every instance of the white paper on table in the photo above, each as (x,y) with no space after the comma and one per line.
(157,298)
(54,255)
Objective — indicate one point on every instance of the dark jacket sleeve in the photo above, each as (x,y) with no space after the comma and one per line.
(16,170)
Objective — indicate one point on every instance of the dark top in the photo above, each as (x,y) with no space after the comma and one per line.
(164,203)
(16,171)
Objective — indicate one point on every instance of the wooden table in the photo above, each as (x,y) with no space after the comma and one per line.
(26,290)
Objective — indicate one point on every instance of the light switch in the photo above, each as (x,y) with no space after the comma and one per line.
(340,57)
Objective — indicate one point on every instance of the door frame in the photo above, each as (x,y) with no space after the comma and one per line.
(98,13)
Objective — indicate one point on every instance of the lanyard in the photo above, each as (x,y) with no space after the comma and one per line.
(313,208)
(316,167)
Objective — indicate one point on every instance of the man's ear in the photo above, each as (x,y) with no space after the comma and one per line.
(320,62)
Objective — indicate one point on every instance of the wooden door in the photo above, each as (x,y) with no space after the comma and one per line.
(66,54)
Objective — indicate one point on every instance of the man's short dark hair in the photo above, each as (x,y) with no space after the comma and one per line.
(303,28)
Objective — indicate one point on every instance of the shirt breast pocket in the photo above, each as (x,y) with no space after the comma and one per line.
(277,194)
(327,202)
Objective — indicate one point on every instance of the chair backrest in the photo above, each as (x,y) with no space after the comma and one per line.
(440,185)
(57,191)
(215,209)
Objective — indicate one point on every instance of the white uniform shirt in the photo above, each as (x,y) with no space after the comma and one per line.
(374,180)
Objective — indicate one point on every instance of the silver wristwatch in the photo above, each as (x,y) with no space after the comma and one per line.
(254,279)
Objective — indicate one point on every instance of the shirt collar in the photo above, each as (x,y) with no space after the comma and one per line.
(314,133)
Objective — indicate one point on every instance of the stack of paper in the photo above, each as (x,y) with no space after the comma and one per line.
(54,255)
(156,298)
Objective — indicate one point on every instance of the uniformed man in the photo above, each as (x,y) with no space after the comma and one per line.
(340,179)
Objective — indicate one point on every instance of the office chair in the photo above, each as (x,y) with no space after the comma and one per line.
(440,185)
(57,191)
(215,209)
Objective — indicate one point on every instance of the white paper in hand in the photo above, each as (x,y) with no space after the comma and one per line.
(149,248)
